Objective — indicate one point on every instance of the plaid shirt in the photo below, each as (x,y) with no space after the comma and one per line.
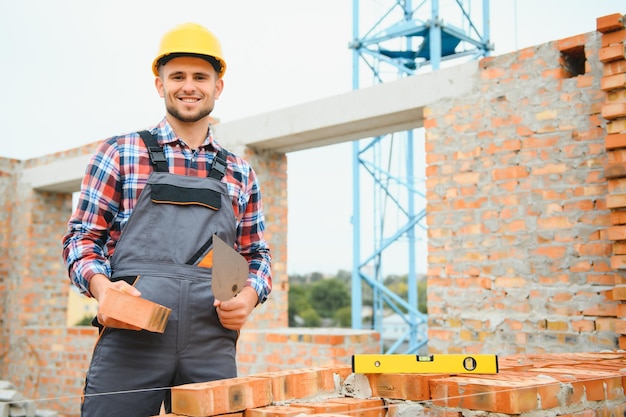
(113,181)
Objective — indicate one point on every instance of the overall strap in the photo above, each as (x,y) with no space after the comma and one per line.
(218,167)
(157,156)
(158,160)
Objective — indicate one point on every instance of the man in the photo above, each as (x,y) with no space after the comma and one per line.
(149,205)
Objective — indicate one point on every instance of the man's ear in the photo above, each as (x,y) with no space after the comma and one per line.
(158,83)
(219,86)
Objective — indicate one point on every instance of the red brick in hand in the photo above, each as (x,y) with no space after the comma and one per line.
(134,310)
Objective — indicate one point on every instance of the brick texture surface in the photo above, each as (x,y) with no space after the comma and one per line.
(534,384)
(135,311)
(614,111)
(518,200)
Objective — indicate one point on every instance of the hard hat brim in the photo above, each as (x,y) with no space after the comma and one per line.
(218,64)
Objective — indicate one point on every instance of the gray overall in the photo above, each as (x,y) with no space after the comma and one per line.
(168,231)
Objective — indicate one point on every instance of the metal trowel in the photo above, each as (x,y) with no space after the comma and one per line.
(230,270)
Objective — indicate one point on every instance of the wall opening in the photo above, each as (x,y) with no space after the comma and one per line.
(573,61)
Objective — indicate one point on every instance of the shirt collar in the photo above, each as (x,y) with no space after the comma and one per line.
(165,135)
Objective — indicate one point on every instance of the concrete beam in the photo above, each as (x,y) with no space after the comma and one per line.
(61,176)
(384,108)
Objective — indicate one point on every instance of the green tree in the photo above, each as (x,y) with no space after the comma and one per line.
(297,302)
(310,318)
(421,296)
(343,317)
(85,321)
(329,295)
(313,298)
(399,285)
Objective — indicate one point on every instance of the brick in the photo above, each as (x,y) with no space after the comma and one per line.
(616,96)
(368,407)
(620,326)
(611,410)
(610,23)
(135,311)
(614,68)
(182,415)
(613,38)
(605,324)
(617,217)
(604,309)
(583,326)
(573,43)
(615,170)
(599,385)
(613,82)
(343,371)
(302,383)
(506,392)
(612,366)
(621,310)
(574,394)
(513,172)
(411,387)
(616,201)
(619,292)
(616,126)
(329,415)
(615,141)
(612,53)
(326,407)
(618,262)
(278,411)
(558,326)
(221,397)
(614,110)
(619,248)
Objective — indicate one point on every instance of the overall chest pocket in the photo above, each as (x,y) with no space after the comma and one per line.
(174,194)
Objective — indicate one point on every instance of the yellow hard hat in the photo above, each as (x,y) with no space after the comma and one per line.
(190,39)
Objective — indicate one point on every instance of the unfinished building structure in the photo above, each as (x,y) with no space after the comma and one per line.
(526,190)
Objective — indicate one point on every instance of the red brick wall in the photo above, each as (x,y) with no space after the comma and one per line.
(41,359)
(7,187)
(612,55)
(519,258)
(271,169)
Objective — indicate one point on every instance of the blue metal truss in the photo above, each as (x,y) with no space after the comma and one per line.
(401,41)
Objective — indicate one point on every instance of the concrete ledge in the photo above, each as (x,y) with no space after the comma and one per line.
(384,108)
(62,176)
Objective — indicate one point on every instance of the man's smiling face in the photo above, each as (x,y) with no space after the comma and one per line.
(189,86)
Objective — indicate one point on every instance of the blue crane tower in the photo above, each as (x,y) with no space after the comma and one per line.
(389,191)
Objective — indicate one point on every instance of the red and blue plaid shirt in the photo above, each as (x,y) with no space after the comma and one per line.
(106,203)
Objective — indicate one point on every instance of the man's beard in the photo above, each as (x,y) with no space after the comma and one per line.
(187,119)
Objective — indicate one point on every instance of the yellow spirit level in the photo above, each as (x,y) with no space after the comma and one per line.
(432,364)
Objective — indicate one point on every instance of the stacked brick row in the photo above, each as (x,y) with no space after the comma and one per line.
(566,385)
(613,83)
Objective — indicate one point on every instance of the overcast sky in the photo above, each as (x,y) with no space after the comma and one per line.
(77,71)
